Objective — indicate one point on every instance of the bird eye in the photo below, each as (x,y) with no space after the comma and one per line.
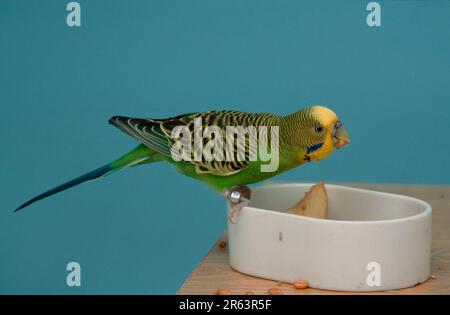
(318,129)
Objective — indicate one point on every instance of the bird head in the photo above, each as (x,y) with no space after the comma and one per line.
(318,131)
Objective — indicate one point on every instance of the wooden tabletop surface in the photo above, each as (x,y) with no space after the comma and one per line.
(215,273)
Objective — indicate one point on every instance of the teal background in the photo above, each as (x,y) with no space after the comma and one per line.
(143,230)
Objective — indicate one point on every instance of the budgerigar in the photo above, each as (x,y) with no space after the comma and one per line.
(309,134)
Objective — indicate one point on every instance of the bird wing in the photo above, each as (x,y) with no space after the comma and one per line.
(157,135)
(147,131)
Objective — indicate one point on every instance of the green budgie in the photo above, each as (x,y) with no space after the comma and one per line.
(306,135)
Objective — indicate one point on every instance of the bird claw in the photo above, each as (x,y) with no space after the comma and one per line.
(238,197)
(235,209)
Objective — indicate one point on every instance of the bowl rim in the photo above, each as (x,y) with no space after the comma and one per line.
(427,209)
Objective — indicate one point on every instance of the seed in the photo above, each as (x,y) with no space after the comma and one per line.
(275,291)
(223,244)
(249,293)
(432,277)
(439,268)
(223,292)
(301,284)
(279,283)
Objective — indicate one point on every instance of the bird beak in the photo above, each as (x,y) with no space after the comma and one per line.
(342,137)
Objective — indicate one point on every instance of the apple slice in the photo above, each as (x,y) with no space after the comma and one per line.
(314,203)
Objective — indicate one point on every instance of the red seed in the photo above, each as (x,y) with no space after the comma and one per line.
(301,284)
(275,291)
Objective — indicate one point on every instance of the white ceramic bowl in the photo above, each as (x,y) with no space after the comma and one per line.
(371,240)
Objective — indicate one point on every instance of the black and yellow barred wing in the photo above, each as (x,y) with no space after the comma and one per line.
(157,135)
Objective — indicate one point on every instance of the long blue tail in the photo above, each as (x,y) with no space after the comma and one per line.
(140,155)
(99,172)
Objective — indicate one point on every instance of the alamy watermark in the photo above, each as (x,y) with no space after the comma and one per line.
(373,279)
(73,278)
(74,16)
(235,143)
(374,17)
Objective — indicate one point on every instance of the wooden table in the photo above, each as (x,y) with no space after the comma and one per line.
(214,272)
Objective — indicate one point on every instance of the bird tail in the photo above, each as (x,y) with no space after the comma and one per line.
(140,155)
(99,172)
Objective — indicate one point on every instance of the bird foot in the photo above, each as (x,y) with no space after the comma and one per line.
(235,209)
(238,197)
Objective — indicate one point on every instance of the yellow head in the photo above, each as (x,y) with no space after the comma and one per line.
(316,131)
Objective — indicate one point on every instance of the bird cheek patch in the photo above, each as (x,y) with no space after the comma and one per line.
(314,147)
